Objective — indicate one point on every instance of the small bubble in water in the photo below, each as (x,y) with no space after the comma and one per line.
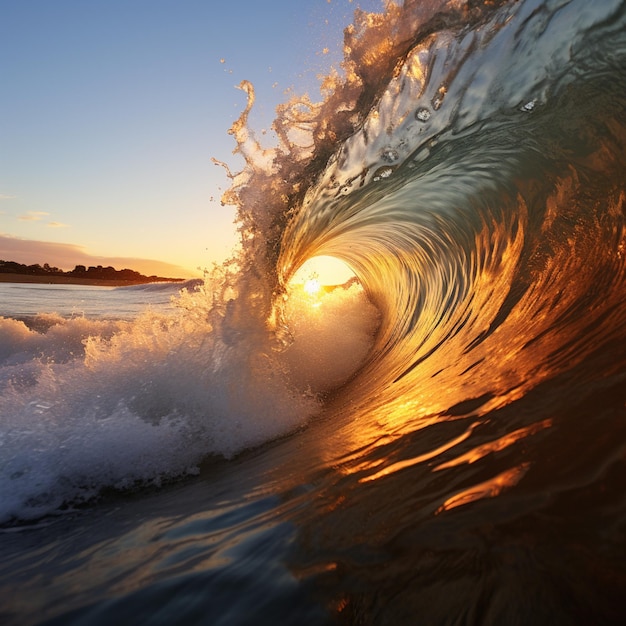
(423,114)
(390,155)
(383,172)
(529,106)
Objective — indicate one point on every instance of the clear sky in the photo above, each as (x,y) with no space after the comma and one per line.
(112,109)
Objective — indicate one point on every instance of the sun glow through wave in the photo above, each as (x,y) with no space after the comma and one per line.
(320,271)
(312,286)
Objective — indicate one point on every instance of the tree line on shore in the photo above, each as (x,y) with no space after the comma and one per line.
(81,271)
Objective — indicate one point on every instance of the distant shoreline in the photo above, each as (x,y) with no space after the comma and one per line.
(75,280)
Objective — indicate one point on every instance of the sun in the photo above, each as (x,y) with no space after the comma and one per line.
(323,270)
(312,286)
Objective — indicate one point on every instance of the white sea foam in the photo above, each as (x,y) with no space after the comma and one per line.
(87,404)
(333,333)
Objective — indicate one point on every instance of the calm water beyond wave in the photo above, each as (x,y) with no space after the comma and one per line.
(440,441)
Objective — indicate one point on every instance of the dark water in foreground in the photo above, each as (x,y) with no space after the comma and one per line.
(442,443)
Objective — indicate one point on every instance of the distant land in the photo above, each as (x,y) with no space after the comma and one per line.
(12,272)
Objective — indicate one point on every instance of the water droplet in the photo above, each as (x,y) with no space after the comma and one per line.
(383,172)
(389,155)
(422,114)
(439,96)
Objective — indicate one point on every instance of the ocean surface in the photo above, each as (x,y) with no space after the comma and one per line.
(441,440)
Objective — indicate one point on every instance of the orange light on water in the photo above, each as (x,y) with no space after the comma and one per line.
(487,489)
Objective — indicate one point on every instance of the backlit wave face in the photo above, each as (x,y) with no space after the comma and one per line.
(480,200)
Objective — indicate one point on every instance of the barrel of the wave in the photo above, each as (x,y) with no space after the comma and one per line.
(453,202)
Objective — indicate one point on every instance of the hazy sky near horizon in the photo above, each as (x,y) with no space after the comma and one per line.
(112,110)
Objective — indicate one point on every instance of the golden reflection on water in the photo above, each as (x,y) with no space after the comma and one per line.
(400,465)
(495,446)
(487,489)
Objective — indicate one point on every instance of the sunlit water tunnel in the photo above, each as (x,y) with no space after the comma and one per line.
(331,324)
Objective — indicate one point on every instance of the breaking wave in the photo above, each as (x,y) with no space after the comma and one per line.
(467,163)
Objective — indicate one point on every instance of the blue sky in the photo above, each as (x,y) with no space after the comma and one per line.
(112,109)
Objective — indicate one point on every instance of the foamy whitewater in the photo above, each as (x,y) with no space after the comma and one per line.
(93,403)
(440,440)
